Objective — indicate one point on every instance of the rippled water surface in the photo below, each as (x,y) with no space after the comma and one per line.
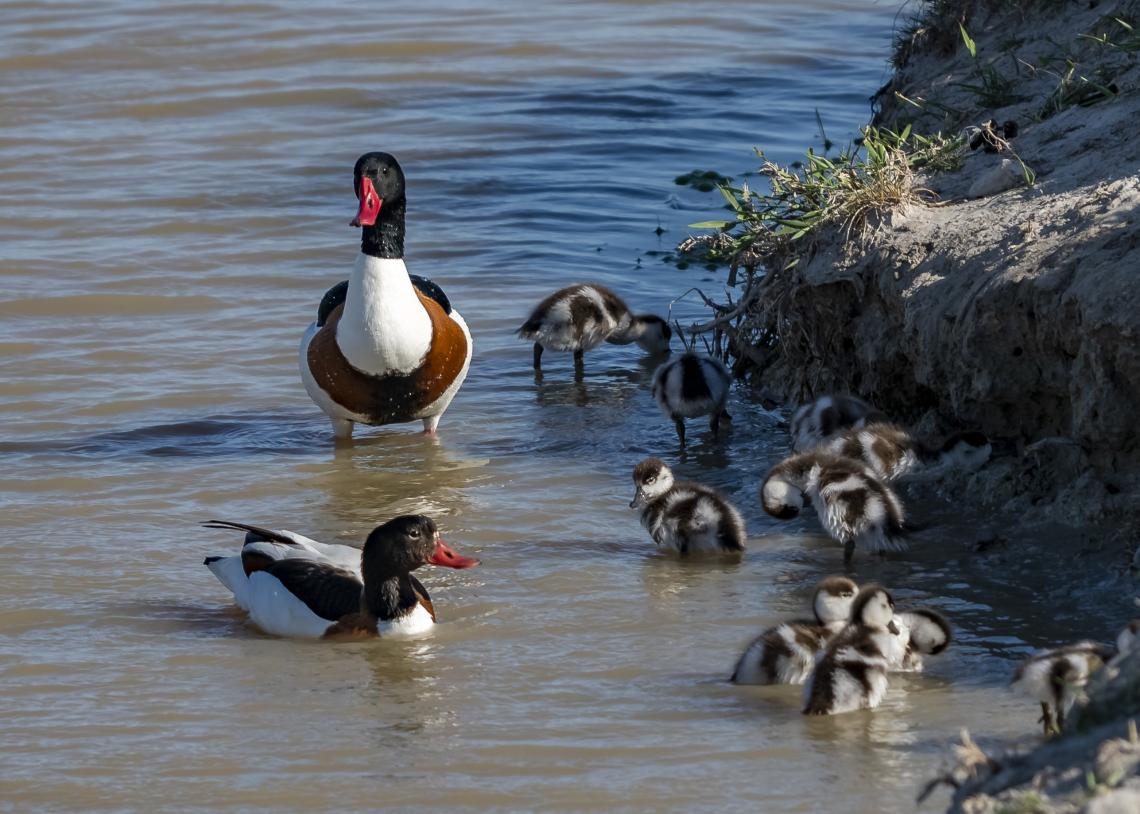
(174,196)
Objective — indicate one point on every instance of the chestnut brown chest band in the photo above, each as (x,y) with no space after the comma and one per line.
(395,397)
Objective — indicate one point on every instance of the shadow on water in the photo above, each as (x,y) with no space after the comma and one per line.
(227,434)
(234,434)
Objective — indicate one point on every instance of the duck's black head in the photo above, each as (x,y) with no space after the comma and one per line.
(378,181)
(403,544)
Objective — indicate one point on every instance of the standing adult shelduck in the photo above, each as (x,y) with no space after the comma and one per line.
(387,346)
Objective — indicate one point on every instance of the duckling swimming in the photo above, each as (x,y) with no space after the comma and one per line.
(1057,677)
(692,385)
(891,452)
(815,422)
(923,632)
(785,654)
(580,317)
(852,672)
(685,517)
(854,506)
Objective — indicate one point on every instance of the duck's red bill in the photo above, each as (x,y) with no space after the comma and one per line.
(446,557)
(370,204)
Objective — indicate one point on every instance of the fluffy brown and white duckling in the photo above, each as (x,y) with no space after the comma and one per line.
(685,517)
(785,654)
(1056,678)
(924,632)
(891,452)
(852,672)
(580,317)
(815,422)
(854,506)
(691,385)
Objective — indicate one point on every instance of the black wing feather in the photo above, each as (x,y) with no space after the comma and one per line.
(330,592)
(254,534)
(430,289)
(333,297)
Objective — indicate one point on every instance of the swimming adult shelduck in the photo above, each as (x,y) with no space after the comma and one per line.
(387,347)
(314,598)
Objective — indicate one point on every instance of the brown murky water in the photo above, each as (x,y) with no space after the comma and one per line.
(174,193)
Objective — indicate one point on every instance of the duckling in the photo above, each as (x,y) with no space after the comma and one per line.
(685,517)
(1128,639)
(852,672)
(815,422)
(891,452)
(786,653)
(923,632)
(692,385)
(1057,677)
(580,317)
(853,505)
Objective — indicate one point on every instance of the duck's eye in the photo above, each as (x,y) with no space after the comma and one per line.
(414,533)
(651,479)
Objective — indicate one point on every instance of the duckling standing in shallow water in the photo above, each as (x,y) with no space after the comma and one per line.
(685,517)
(924,632)
(853,505)
(815,422)
(580,317)
(692,385)
(852,672)
(1056,678)
(891,452)
(785,654)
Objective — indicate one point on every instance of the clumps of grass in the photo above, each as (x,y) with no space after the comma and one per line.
(990,86)
(709,250)
(933,29)
(1122,35)
(1076,89)
(873,176)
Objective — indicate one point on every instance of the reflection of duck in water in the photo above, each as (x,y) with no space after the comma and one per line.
(683,517)
(310,597)
(386,347)
(580,317)
(785,654)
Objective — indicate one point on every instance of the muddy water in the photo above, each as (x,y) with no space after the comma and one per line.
(174,193)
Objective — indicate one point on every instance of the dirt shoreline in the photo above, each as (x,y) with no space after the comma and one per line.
(1015,312)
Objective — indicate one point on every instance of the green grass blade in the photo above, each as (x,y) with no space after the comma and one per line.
(970,45)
